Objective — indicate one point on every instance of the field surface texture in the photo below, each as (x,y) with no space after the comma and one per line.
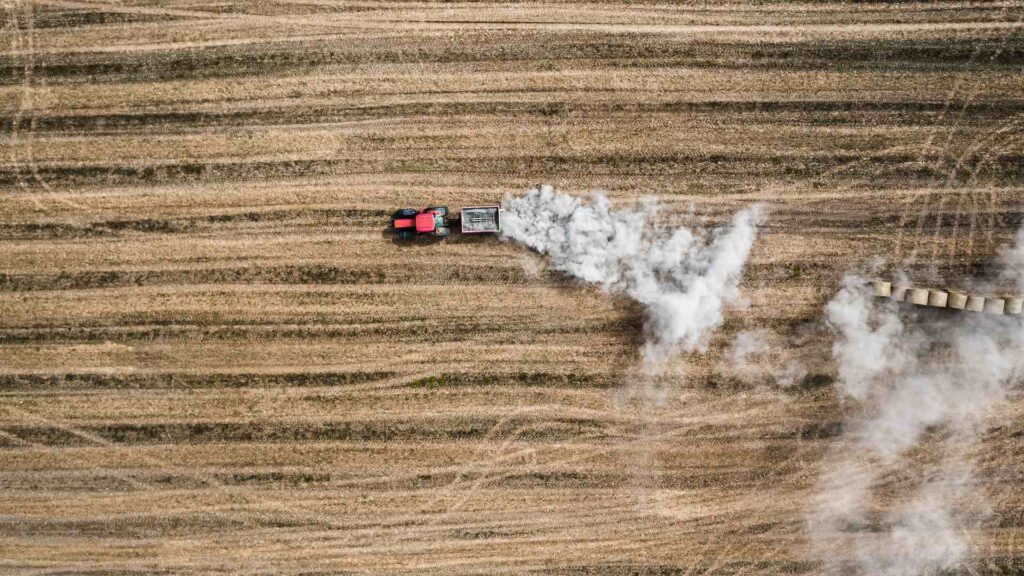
(214,360)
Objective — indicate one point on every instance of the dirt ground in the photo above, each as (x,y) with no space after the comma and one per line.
(214,360)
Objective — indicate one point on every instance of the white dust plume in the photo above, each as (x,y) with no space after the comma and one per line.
(1012,260)
(747,348)
(912,379)
(683,276)
(756,357)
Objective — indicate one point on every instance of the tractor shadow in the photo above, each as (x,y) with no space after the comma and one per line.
(454,237)
(419,241)
(457,237)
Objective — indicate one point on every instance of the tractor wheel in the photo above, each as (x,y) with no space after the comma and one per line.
(406,235)
(441,232)
(405,213)
(442,210)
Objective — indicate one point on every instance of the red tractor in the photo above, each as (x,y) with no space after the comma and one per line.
(434,222)
(411,223)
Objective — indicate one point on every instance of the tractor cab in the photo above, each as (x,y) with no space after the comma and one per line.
(427,222)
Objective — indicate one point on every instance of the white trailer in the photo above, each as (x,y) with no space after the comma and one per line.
(480,219)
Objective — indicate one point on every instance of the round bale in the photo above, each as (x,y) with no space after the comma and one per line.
(899,293)
(995,305)
(881,288)
(957,300)
(918,296)
(1014,305)
(975,303)
(938,298)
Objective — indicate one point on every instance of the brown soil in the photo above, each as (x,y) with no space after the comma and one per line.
(213,360)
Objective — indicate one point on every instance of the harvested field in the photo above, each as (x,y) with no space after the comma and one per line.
(213,359)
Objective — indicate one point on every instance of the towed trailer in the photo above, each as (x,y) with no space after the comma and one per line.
(480,219)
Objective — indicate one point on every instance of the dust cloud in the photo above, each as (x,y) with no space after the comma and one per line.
(911,379)
(683,276)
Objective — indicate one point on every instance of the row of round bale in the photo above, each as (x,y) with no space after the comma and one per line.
(956,300)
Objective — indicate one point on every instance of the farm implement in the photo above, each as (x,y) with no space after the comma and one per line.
(438,222)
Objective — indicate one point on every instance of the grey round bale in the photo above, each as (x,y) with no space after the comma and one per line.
(899,293)
(995,305)
(1014,305)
